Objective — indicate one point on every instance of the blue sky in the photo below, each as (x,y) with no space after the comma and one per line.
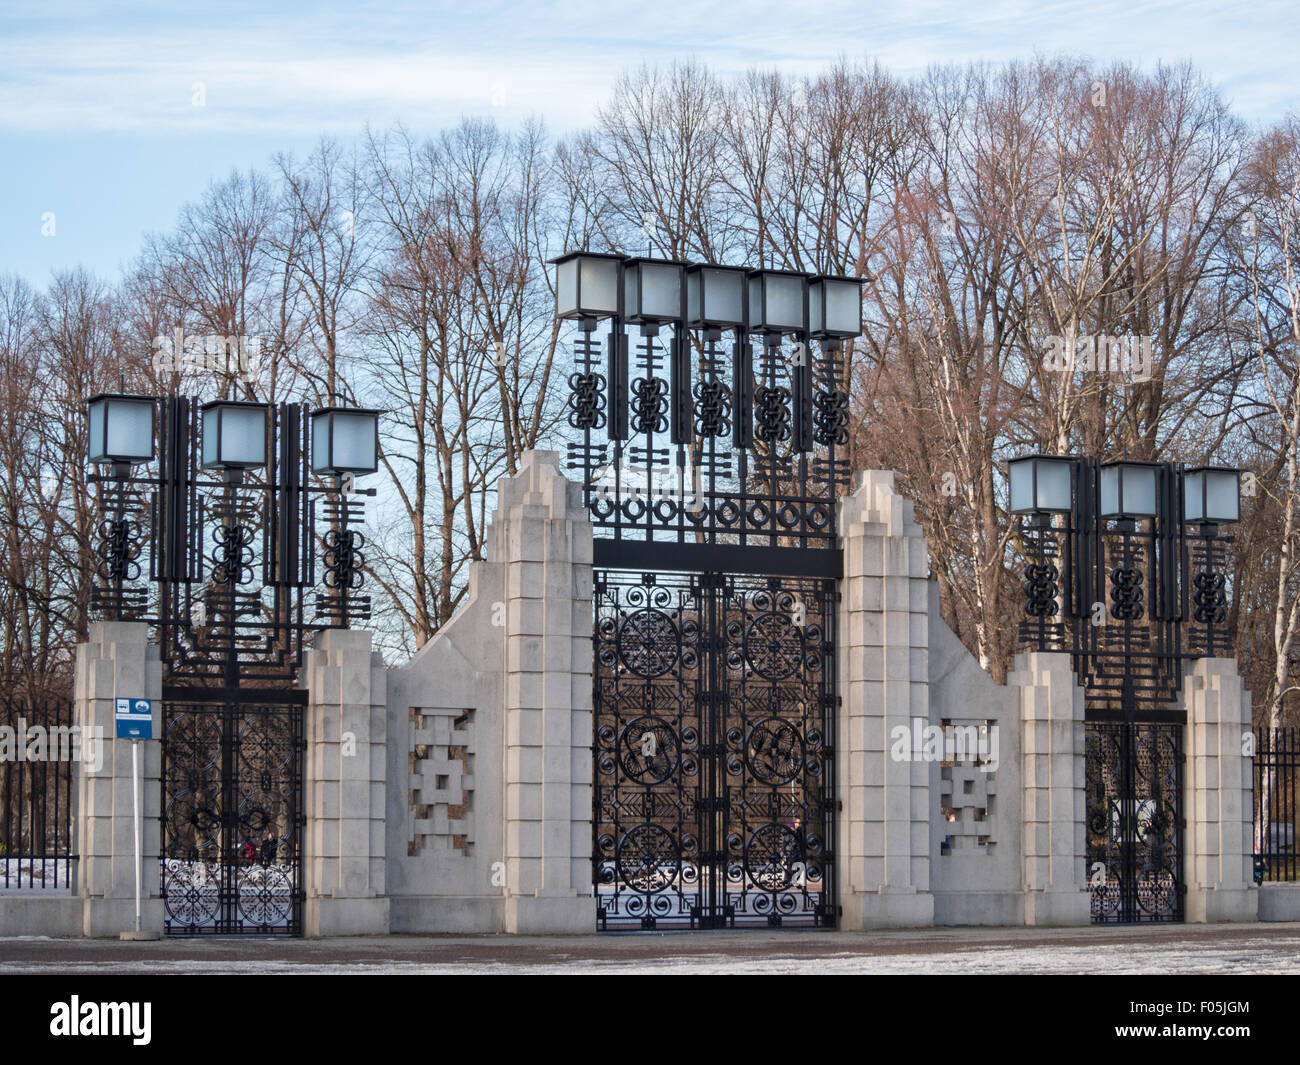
(99,123)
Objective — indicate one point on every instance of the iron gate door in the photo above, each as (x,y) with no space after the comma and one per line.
(714,778)
(232,818)
(1135,785)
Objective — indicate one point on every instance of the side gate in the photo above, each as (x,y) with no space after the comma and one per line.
(232,818)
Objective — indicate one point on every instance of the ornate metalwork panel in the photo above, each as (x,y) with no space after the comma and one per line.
(698,440)
(1134,785)
(715,709)
(225,570)
(232,818)
(1130,600)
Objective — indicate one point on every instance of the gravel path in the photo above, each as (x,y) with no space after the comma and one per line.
(1256,948)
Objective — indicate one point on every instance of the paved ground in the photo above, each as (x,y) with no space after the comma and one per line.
(1258,948)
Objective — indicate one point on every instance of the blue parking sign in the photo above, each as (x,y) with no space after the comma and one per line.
(134,719)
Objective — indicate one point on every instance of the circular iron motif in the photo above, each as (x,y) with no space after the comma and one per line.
(648,859)
(773,646)
(648,750)
(775,751)
(648,643)
(772,857)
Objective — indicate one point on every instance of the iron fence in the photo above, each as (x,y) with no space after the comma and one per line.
(1277,772)
(39,748)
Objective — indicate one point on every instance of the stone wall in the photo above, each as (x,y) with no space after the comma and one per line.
(489,725)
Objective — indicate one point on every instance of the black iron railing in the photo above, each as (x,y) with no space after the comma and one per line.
(39,752)
(1277,774)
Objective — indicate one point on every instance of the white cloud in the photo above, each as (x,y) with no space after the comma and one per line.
(331,70)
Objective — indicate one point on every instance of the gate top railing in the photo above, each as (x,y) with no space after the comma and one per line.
(39,751)
(697,450)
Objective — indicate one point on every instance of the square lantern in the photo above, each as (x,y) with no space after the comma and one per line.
(121,429)
(586,284)
(1212,495)
(715,297)
(1040,484)
(652,291)
(776,301)
(1128,490)
(835,307)
(234,434)
(344,440)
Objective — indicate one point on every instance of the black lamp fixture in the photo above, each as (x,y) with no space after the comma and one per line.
(344,440)
(587,287)
(121,431)
(1129,490)
(835,308)
(1041,486)
(715,297)
(777,303)
(653,292)
(234,436)
(1212,496)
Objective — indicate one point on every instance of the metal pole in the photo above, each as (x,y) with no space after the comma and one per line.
(135,801)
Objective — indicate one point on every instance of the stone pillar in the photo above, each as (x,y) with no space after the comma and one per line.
(1054,799)
(884,821)
(117,662)
(346,724)
(1217,842)
(542,534)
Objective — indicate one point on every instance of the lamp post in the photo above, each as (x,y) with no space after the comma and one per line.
(345,445)
(121,437)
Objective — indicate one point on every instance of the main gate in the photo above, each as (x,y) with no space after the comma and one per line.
(711,473)
(232,818)
(713,755)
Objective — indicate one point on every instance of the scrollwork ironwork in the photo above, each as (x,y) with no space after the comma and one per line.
(1126,597)
(649,405)
(118,550)
(344,558)
(1209,597)
(587,401)
(1041,589)
(772,413)
(232,556)
(831,418)
(712,409)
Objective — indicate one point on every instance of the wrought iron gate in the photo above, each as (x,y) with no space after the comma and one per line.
(232,818)
(715,707)
(1134,775)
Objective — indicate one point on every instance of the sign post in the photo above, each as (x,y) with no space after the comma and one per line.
(135,723)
